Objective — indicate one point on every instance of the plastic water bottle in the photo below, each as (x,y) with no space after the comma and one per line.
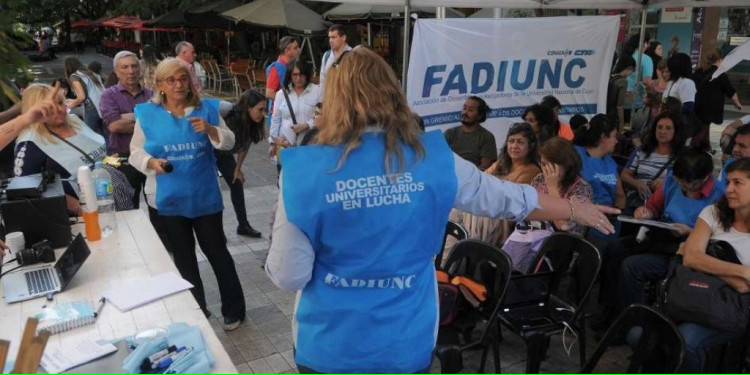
(87,199)
(105,199)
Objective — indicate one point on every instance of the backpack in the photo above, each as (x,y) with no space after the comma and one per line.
(456,295)
(326,57)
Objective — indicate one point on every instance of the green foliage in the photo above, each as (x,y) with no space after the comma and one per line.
(13,63)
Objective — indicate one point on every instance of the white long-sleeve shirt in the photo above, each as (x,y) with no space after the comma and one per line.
(326,63)
(304,111)
(139,157)
(291,257)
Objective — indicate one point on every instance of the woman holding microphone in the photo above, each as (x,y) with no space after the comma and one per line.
(173,142)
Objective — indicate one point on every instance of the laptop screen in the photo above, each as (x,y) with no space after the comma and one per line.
(529,289)
(71,260)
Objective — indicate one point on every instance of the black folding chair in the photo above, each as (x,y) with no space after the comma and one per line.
(575,263)
(491,267)
(660,348)
(454,230)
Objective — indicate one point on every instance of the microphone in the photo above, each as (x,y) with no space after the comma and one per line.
(167,167)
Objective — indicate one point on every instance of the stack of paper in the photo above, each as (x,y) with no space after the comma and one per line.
(141,292)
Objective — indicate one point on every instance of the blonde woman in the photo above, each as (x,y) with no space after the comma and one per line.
(41,147)
(173,145)
(356,230)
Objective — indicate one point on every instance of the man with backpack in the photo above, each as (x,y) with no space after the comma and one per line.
(337,38)
(275,72)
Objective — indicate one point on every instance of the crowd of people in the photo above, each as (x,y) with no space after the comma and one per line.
(647,156)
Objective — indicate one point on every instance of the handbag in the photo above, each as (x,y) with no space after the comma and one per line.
(123,191)
(294,121)
(523,244)
(687,295)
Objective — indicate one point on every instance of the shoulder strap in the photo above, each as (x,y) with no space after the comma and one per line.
(326,57)
(289,104)
(88,158)
(664,167)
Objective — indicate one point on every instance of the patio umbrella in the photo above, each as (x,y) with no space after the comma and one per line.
(289,14)
(349,12)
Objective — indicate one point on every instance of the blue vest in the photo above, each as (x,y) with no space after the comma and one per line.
(191,189)
(371,305)
(601,174)
(681,209)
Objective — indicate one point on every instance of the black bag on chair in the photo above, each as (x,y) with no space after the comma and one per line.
(692,296)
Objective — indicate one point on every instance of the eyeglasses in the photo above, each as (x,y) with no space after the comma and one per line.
(338,61)
(171,81)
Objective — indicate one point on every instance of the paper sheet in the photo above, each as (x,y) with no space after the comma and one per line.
(58,360)
(141,292)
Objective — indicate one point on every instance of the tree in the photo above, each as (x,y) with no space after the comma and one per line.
(13,63)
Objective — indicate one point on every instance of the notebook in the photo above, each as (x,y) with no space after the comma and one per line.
(65,317)
(66,357)
(141,292)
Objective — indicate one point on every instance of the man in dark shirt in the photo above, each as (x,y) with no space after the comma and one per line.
(117,104)
(470,140)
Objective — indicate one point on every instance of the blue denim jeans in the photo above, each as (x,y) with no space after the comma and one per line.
(636,271)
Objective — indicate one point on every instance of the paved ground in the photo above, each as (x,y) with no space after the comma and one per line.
(263,344)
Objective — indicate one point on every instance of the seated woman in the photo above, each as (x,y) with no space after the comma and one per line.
(517,162)
(727,220)
(563,129)
(56,144)
(542,120)
(595,143)
(561,177)
(679,200)
(648,164)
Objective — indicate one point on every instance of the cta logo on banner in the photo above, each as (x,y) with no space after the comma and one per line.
(511,64)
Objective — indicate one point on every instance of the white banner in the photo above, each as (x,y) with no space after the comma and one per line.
(511,64)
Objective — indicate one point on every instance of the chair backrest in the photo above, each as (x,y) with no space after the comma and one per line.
(485,264)
(454,230)
(576,263)
(660,348)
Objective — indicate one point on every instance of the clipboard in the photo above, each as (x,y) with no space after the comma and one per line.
(648,223)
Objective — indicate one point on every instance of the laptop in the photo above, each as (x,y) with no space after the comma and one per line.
(527,299)
(38,282)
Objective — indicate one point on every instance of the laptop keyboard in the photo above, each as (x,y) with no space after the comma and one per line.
(40,281)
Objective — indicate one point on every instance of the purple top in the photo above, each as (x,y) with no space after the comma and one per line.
(114,102)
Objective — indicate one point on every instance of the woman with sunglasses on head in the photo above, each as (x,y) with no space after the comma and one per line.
(173,142)
(517,162)
(293,108)
(357,231)
(246,120)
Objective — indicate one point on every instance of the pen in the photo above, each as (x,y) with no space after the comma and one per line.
(99,307)
(168,359)
(162,353)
